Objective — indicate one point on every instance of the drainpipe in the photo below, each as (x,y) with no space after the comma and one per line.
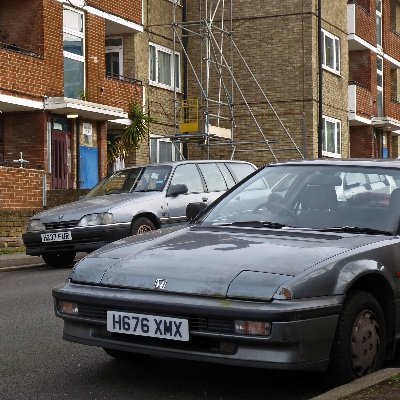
(320,82)
(185,41)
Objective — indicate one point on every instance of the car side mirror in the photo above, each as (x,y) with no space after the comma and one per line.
(194,209)
(175,190)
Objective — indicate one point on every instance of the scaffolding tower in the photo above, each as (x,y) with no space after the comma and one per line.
(206,39)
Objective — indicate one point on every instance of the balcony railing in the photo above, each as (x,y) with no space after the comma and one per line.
(117,77)
(20,50)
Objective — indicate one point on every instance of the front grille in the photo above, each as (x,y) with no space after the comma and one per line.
(61,225)
(196,323)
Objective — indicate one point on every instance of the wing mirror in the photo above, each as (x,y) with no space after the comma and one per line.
(177,189)
(194,209)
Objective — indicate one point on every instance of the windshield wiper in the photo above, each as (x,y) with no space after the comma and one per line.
(254,224)
(354,229)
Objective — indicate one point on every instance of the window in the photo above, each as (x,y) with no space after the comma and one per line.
(379,85)
(162,149)
(331,52)
(188,174)
(114,57)
(164,67)
(212,175)
(332,132)
(74,53)
(379,23)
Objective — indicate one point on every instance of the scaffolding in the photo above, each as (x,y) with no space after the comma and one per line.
(206,41)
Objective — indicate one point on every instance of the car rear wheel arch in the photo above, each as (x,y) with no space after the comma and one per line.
(146,218)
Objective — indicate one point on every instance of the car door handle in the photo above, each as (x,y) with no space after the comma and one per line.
(205,199)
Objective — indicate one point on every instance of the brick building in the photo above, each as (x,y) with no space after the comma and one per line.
(374,62)
(67,77)
(62,85)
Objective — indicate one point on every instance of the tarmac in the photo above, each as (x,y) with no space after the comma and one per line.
(20,261)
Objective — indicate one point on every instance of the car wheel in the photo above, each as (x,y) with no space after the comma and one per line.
(141,225)
(59,260)
(360,341)
(124,355)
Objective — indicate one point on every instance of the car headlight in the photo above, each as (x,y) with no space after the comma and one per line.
(96,219)
(35,225)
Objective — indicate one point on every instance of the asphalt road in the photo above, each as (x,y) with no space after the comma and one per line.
(35,363)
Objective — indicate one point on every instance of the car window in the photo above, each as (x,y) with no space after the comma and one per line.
(212,175)
(327,197)
(239,170)
(188,174)
(226,174)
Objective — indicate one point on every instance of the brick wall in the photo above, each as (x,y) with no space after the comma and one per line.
(20,188)
(13,225)
(26,133)
(130,10)
(362,143)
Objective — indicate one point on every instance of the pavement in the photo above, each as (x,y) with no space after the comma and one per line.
(20,261)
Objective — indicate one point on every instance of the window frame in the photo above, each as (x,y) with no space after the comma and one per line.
(72,56)
(379,88)
(338,148)
(159,139)
(379,28)
(158,48)
(117,49)
(336,45)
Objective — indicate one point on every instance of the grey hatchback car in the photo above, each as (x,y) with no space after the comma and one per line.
(129,202)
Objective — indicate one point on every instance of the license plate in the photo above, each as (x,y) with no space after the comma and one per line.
(148,325)
(56,237)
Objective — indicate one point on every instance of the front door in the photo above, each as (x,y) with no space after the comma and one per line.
(61,160)
(88,167)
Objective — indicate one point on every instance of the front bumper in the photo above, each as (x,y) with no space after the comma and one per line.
(301,337)
(84,239)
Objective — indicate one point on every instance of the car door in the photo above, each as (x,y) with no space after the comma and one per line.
(185,174)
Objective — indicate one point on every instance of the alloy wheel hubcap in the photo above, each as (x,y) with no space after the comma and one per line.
(143,229)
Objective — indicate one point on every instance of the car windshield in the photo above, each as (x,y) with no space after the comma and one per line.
(141,179)
(327,197)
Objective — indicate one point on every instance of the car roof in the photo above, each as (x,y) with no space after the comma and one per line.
(174,163)
(359,162)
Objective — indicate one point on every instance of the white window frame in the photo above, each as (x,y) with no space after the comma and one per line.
(379,37)
(379,88)
(81,35)
(163,49)
(164,139)
(336,52)
(338,130)
(119,50)
(179,2)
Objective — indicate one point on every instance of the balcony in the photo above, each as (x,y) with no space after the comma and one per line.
(360,104)
(361,27)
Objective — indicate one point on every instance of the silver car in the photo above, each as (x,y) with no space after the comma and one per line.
(129,202)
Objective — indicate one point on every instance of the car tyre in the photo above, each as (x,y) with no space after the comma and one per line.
(141,225)
(124,355)
(59,260)
(360,341)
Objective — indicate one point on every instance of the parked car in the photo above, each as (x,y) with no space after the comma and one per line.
(129,202)
(281,272)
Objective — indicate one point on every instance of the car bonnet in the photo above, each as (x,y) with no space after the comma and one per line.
(207,262)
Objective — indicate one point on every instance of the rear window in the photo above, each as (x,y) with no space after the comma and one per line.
(240,171)
(215,182)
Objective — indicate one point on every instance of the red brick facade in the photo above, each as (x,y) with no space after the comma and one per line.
(32,70)
(364,140)
(21,189)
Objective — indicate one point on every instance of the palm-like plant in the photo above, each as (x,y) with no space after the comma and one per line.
(133,135)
